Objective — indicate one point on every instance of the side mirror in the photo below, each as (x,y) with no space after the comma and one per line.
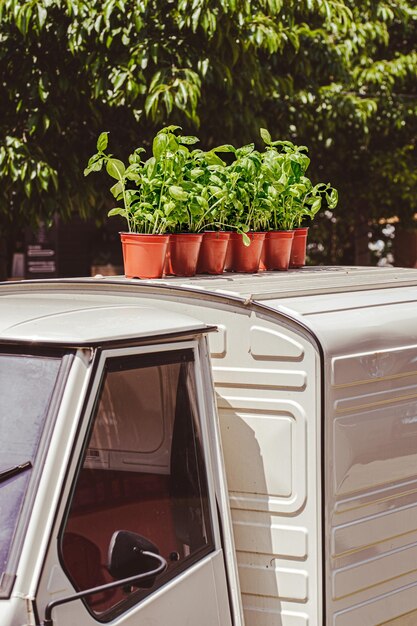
(132,558)
(131,554)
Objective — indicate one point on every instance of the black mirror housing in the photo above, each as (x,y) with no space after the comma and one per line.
(126,558)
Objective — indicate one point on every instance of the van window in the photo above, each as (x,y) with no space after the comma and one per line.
(142,471)
(26,388)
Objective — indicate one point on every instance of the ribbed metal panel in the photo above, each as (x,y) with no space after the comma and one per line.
(266,391)
(267,374)
(372,485)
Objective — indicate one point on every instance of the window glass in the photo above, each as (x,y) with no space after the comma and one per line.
(142,471)
(26,387)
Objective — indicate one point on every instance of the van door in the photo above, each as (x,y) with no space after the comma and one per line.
(144,467)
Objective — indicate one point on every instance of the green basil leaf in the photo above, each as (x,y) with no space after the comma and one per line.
(102,141)
(117,189)
(245,239)
(265,136)
(160,144)
(116,211)
(115,168)
(178,193)
(169,129)
(188,140)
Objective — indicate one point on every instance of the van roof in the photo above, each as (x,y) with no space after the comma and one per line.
(54,316)
(307,281)
(83,310)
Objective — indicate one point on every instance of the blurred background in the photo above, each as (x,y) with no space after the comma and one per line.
(339,76)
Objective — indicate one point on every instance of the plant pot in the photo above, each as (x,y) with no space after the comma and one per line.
(262,266)
(213,252)
(245,258)
(298,251)
(228,260)
(183,251)
(144,255)
(277,249)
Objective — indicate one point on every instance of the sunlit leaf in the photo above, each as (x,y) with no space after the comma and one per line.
(115,168)
(102,141)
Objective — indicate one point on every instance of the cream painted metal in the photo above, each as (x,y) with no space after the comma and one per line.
(198,595)
(315,375)
(80,319)
(366,323)
(370,454)
(267,382)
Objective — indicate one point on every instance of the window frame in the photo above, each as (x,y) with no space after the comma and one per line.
(137,597)
(66,358)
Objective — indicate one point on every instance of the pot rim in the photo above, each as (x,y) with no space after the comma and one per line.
(128,234)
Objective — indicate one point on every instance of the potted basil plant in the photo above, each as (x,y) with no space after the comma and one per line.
(156,200)
(295,200)
(248,206)
(207,173)
(145,242)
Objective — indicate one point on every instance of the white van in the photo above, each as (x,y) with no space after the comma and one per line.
(134,491)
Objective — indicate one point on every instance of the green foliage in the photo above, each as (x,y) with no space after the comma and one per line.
(178,189)
(292,195)
(339,75)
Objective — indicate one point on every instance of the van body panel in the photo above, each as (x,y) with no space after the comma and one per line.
(16,611)
(370,451)
(369,342)
(269,411)
(371,507)
(315,379)
(180,599)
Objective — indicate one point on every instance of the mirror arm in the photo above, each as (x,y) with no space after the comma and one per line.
(117,583)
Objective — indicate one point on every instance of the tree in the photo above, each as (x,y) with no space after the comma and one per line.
(337,75)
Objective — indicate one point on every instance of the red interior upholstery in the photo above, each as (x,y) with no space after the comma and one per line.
(106,501)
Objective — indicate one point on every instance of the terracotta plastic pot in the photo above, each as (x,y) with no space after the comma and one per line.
(213,252)
(262,266)
(228,260)
(144,255)
(277,249)
(298,251)
(246,258)
(183,254)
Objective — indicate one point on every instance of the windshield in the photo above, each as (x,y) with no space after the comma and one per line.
(26,387)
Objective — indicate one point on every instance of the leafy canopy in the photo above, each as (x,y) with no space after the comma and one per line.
(337,75)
